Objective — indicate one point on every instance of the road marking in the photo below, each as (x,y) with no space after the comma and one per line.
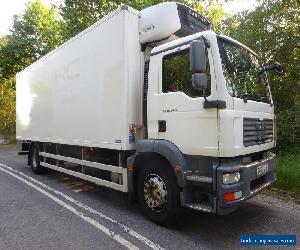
(141,238)
(86,218)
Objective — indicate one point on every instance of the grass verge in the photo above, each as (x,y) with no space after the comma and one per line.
(288,170)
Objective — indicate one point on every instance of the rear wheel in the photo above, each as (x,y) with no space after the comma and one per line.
(158,192)
(35,160)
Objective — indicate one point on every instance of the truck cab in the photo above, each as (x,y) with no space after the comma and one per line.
(209,105)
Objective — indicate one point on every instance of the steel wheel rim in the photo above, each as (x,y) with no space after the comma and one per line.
(155,192)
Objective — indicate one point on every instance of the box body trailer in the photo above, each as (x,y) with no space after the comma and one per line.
(161,108)
(87,91)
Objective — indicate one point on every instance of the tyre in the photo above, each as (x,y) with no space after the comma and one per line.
(34,160)
(158,192)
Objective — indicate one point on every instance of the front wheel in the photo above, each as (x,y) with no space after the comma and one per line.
(34,160)
(158,192)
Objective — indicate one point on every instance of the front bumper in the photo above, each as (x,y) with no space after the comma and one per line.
(206,193)
(250,183)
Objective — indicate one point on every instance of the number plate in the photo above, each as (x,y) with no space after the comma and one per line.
(262,169)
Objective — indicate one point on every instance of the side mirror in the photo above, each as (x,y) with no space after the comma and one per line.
(278,68)
(199,81)
(198,56)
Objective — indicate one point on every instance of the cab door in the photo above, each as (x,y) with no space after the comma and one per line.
(176,110)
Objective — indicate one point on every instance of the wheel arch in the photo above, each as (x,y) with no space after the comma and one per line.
(165,150)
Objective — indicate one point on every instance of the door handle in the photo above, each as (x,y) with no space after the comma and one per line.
(162,126)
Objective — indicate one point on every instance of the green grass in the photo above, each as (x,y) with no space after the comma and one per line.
(288,170)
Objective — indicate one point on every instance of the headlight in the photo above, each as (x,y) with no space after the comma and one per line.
(231,178)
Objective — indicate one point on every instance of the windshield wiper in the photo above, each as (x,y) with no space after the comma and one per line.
(247,97)
(265,99)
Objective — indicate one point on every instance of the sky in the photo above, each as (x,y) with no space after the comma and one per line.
(8,8)
(239,5)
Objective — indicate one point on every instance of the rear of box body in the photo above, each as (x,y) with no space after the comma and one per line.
(87,91)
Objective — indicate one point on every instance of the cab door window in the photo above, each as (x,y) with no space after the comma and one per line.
(177,75)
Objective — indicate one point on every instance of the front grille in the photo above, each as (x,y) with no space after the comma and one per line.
(257,131)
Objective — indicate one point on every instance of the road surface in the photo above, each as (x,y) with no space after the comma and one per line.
(55,211)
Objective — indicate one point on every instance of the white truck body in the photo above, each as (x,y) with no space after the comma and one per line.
(87,91)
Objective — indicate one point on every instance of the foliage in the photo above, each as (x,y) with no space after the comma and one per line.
(288,123)
(272,29)
(74,12)
(288,170)
(8,106)
(35,32)
(213,10)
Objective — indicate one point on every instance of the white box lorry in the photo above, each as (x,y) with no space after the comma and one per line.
(155,104)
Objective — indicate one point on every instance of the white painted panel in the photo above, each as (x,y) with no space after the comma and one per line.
(192,128)
(231,132)
(134,67)
(159,22)
(78,94)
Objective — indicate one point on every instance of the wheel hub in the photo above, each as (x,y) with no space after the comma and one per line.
(155,192)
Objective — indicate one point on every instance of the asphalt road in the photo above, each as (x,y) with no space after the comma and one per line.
(55,211)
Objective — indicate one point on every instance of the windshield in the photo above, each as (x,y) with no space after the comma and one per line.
(241,68)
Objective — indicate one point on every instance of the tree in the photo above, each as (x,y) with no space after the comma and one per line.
(273,31)
(35,32)
(8,106)
(79,15)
